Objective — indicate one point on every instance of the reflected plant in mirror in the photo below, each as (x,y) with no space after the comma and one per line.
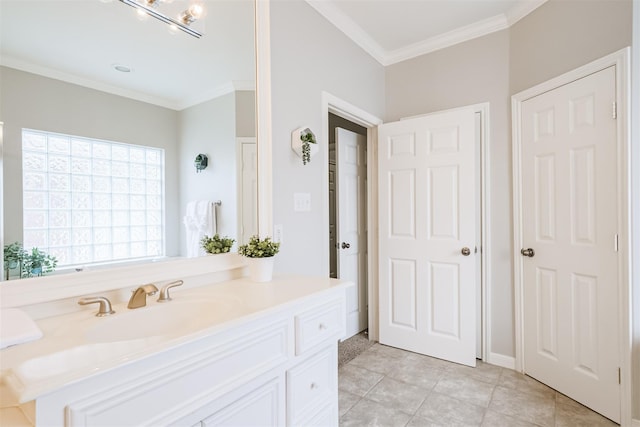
(27,263)
(216,244)
(99,160)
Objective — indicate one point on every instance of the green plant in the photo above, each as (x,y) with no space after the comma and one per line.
(307,137)
(257,248)
(37,263)
(13,255)
(216,244)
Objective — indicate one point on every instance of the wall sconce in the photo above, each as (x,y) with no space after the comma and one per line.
(201,162)
(182,21)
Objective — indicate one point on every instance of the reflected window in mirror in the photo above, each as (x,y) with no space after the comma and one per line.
(89,201)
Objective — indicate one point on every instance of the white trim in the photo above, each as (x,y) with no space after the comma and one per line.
(221,90)
(448,39)
(620,60)
(333,104)
(441,41)
(263,118)
(240,141)
(508,362)
(634,159)
(522,9)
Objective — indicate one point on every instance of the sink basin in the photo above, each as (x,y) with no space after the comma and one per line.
(167,319)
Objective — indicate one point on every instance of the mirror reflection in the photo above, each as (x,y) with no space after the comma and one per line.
(108,115)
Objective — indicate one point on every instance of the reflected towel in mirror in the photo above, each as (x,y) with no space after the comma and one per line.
(199,220)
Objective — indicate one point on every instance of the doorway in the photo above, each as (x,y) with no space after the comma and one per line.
(570,192)
(348,257)
(341,108)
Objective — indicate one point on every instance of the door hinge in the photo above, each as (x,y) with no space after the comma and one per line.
(615,243)
(619,376)
(614,111)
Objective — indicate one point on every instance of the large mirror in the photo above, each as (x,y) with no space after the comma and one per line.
(116,105)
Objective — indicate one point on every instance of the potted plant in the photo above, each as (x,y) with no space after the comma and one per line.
(259,254)
(13,257)
(307,137)
(38,263)
(216,244)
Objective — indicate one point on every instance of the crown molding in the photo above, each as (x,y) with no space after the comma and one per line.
(389,57)
(522,9)
(349,28)
(216,92)
(52,73)
(451,38)
(224,89)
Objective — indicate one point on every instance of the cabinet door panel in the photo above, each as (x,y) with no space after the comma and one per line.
(259,408)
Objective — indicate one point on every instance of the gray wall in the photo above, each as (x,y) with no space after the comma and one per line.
(563,35)
(245,113)
(210,128)
(308,56)
(36,102)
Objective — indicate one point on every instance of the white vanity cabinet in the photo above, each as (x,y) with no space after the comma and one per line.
(272,367)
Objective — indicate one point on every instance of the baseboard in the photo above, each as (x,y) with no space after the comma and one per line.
(635,423)
(502,360)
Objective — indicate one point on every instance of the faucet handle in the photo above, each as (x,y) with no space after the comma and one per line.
(164,292)
(105,305)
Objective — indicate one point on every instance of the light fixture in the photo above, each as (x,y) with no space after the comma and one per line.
(183,21)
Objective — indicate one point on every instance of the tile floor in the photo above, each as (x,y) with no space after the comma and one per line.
(385,386)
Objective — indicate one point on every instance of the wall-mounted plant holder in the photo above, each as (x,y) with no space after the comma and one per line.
(201,162)
(304,144)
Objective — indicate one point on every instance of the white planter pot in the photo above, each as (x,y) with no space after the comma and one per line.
(260,269)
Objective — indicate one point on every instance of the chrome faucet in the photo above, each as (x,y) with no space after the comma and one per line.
(139,297)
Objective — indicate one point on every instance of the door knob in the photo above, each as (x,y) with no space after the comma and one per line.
(345,245)
(528,252)
(466,251)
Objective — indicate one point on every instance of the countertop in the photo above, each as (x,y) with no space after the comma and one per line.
(73,348)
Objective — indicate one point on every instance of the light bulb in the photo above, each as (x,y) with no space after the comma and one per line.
(193,13)
(196,10)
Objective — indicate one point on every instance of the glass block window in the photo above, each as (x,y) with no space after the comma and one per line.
(90,201)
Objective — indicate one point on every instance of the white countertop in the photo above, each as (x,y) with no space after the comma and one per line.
(73,348)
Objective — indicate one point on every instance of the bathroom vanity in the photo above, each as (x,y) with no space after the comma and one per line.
(229,353)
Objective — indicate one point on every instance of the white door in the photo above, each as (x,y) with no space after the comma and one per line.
(248,198)
(569,217)
(351,224)
(427,235)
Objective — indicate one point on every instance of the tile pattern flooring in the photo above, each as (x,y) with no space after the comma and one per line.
(385,386)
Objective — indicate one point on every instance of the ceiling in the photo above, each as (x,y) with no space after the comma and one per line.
(396,30)
(81,41)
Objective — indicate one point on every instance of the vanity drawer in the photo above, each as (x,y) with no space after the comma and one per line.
(310,386)
(318,325)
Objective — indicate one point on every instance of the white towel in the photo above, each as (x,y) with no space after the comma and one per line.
(200,220)
(16,327)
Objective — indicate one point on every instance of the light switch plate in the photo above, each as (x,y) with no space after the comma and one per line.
(277,233)
(302,202)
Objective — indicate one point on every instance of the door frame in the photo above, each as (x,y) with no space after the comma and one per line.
(620,59)
(335,105)
(240,141)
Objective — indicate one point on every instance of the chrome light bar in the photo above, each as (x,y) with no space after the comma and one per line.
(170,21)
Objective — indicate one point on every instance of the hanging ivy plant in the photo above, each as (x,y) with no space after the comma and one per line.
(307,137)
